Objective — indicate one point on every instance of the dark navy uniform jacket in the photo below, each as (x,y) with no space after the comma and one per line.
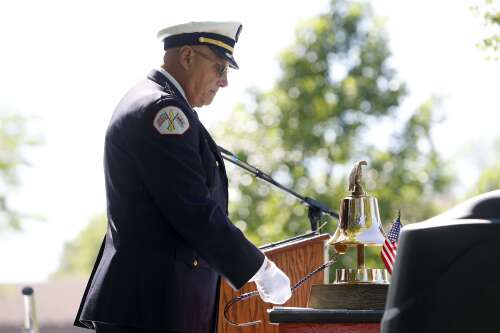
(169,236)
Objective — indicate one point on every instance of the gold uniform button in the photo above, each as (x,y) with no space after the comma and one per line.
(217,163)
(195,263)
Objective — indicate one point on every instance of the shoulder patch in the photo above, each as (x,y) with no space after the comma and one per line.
(171,120)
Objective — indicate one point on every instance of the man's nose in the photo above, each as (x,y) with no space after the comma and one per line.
(223,82)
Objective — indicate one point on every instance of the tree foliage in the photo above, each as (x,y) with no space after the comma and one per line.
(14,140)
(336,88)
(79,255)
(489,178)
(489,12)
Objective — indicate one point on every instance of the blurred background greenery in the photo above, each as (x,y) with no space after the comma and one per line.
(336,101)
(15,140)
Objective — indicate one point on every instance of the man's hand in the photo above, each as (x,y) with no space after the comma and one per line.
(272,284)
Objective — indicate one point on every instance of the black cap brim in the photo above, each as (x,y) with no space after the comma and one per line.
(224,55)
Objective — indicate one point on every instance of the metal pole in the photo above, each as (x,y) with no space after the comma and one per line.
(30,319)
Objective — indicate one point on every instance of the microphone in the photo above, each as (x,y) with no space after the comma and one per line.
(30,320)
(316,208)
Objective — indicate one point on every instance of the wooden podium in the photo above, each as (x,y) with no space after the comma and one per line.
(296,258)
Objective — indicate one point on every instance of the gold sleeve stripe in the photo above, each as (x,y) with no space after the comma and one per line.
(215,42)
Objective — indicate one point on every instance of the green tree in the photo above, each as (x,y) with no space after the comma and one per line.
(336,88)
(14,141)
(410,174)
(489,12)
(79,255)
(489,178)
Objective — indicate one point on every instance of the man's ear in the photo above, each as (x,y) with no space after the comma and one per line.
(185,56)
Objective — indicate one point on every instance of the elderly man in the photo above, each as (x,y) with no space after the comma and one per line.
(169,238)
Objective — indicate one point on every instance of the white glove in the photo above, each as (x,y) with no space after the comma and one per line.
(272,284)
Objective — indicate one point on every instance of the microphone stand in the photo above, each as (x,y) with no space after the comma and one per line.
(315,208)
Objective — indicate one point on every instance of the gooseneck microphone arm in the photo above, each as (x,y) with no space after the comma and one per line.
(316,208)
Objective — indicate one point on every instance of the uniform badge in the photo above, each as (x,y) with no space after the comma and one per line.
(171,120)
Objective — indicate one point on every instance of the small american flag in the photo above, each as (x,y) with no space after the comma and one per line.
(388,252)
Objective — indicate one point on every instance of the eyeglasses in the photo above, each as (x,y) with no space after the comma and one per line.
(221,69)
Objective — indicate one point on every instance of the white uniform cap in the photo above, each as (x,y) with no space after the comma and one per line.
(219,36)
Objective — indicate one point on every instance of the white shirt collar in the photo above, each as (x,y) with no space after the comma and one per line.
(174,81)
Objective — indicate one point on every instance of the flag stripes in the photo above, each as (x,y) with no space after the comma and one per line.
(388,252)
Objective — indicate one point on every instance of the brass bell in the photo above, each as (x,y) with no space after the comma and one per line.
(360,226)
(359,221)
